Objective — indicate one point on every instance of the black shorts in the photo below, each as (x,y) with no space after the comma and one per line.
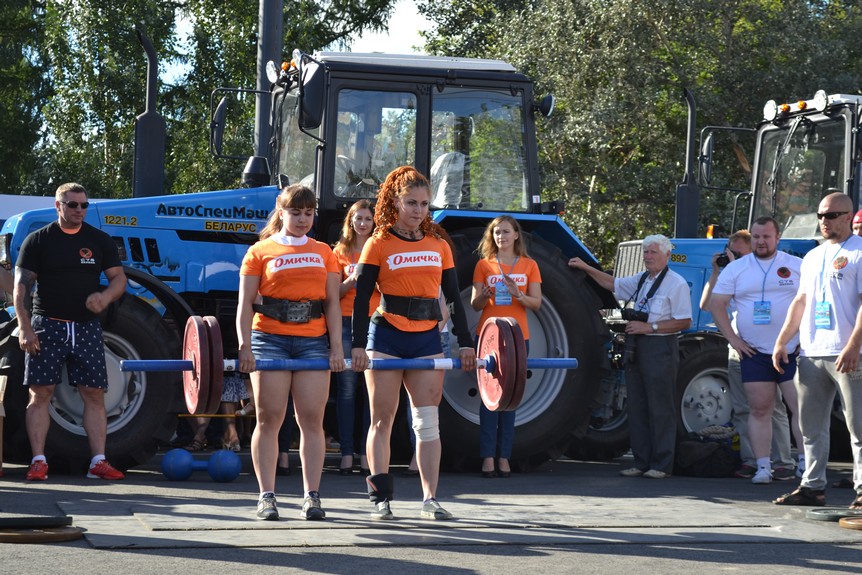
(74,344)
(386,339)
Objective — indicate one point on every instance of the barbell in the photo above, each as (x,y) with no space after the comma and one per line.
(501,365)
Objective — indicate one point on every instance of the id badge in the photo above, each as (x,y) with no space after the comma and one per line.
(762,312)
(823,315)
(502,295)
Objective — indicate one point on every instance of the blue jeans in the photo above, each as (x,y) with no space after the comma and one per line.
(496,430)
(345,401)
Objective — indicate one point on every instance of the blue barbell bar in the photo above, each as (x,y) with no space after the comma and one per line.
(488,363)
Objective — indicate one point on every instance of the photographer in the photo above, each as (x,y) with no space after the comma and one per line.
(661,309)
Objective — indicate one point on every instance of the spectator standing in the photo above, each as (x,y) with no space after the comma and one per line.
(739,244)
(762,285)
(827,316)
(355,231)
(64,261)
(506,283)
(662,308)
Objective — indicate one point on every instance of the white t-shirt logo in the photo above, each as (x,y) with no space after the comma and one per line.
(414,260)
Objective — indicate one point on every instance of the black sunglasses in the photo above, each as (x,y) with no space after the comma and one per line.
(830,215)
(84,205)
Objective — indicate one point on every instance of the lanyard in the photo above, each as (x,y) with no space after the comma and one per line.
(765,273)
(823,268)
(511,269)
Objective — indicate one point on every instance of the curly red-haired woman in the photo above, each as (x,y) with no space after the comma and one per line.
(409,263)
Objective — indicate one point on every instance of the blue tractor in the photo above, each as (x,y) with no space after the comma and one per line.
(340,122)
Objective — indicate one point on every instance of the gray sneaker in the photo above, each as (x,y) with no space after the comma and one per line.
(311,509)
(431,509)
(266,509)
(382,511)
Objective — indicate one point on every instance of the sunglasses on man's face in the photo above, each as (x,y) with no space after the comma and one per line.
(75,205)
(830,215)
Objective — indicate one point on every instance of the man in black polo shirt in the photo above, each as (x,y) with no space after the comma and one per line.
(64,261)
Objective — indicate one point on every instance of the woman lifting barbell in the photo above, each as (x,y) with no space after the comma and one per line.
(288,304)
(409,264)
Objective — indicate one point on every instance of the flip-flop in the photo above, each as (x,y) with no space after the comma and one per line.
(803,496)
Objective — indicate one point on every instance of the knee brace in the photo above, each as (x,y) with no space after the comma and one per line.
(381,487)
(426,423)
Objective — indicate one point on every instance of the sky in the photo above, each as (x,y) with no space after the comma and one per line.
(403,32)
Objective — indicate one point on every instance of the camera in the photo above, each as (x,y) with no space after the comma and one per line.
(633,315)
(722,260)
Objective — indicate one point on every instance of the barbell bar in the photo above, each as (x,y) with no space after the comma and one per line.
(501,367)
(445,364)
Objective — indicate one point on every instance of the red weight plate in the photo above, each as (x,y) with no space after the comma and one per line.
(216,363)
(495,341)
(196,348)
(520,348)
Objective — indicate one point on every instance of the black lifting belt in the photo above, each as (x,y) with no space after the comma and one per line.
(288,311)
(415,308)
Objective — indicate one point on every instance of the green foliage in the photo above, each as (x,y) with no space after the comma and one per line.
(615,147)
(23,91)
(72,77)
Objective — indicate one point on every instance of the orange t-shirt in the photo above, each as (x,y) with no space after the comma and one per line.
(348,265)
(295,273)
(409,269)
(524,272)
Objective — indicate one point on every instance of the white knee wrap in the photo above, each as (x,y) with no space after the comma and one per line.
(426,423)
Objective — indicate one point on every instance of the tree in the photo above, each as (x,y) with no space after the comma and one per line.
(23,92)
(615,146)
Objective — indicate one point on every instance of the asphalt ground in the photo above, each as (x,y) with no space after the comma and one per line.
(565,517)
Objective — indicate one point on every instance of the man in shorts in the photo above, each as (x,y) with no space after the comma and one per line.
(64,261)
(762,285)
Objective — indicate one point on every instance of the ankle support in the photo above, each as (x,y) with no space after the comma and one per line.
(381,487)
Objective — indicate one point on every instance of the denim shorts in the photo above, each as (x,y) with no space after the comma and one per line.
(403,344)
(274,346)
(759,368)
(74,344)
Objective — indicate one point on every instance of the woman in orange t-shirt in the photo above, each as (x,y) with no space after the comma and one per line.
(289,309)
(409,263)
(506,283)
(355,231)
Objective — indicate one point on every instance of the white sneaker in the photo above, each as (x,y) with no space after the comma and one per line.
(632,472)
(762,476)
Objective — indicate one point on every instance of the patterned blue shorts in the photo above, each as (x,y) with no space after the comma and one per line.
(76,345)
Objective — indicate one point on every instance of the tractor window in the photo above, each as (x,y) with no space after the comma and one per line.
(809,167)
(376,133)
(297,150)
(477,149)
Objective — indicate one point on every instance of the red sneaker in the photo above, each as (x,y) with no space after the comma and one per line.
(38,471)
(104,470)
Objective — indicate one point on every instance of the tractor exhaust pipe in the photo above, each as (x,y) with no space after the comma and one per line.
(688,192)
(149,170)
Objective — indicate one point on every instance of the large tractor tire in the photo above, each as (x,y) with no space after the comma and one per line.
(703,391)
(556,403)
(141,407)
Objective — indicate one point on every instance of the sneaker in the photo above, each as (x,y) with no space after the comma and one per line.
(745,472)
(311,509)
(784,474)
(104,470)
(763,476)
(38,471)
(632,472)
(431,509)
(382,511)
(800,469)
(656,474)
(266,508)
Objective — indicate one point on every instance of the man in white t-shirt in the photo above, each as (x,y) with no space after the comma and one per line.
(762,285)
(827,315)
(661,301)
